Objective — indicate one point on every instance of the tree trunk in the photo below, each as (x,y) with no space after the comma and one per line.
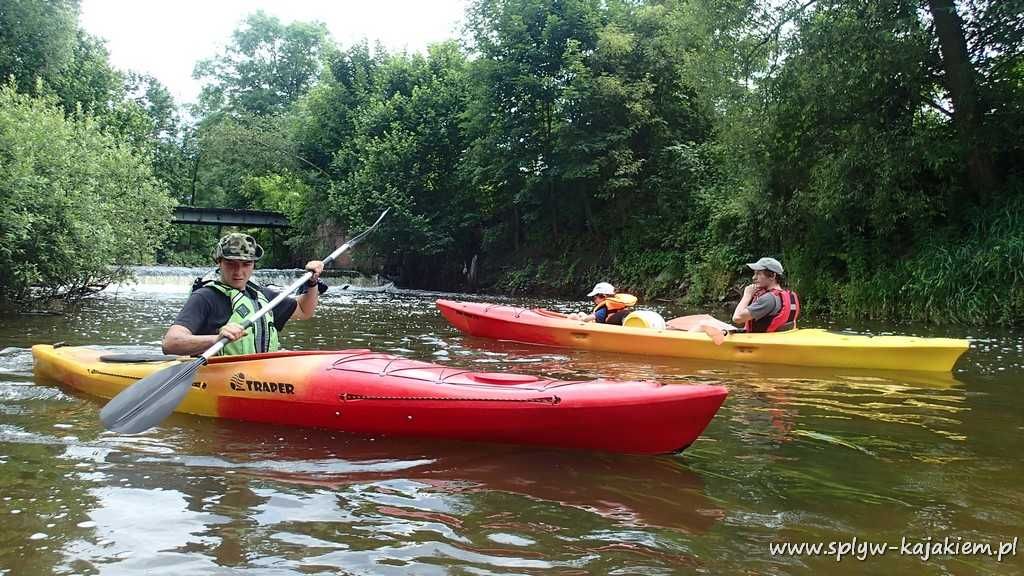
(588,210)
(553,210)
(961,81)
(515,228)
(195,176)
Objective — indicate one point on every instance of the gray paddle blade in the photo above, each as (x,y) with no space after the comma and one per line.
(147,402)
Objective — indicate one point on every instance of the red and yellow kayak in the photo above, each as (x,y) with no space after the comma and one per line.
(365,392)
(803,347)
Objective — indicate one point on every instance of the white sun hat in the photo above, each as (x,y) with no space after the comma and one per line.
(602,288)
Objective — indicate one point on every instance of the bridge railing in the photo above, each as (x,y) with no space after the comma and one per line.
(229,217)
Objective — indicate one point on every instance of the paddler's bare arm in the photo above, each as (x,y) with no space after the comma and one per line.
(181,341)
(741,315)
(307,302)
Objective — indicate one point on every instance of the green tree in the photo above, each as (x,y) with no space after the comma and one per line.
(244,145)
(46,52)
(81,205)
(325,118)
(875,145)
(583,115)
(265,69)
(864,143)
(167,138)
(89,80)
(37,40)
(403,153)
(520,79)
(233,150)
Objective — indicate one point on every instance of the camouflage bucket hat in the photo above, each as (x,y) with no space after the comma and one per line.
(238,246)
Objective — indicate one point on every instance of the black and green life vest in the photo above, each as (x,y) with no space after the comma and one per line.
(262,335)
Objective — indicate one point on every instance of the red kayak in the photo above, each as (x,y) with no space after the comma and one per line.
(370,393)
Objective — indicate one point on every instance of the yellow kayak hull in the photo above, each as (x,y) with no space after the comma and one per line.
(803,347)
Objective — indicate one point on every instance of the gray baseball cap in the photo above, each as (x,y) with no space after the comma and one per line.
(767,264)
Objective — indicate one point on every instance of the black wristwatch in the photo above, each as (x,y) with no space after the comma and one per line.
(321,287)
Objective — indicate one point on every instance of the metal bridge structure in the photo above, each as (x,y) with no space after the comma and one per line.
(229,217)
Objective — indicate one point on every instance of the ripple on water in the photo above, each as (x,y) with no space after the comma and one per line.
(815,406)
(808,454)
(16,361)
(12,392)
(295,467)
(510,539)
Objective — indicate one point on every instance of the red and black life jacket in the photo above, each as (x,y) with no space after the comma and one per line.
(787,314)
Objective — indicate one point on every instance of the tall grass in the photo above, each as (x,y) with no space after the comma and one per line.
(977,278)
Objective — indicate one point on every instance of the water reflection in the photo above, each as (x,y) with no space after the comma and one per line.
(794,454)
(339,502)
(629,490)
(777,399)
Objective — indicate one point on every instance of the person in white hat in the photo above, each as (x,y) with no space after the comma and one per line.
(609,307)
(766,306)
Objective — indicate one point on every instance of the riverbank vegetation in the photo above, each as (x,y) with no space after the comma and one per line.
(874,146)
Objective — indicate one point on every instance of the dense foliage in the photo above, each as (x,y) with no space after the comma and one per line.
(80,144)
(77,202)
(874,146)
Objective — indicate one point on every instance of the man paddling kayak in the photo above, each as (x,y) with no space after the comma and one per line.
(766,306)
(218,307)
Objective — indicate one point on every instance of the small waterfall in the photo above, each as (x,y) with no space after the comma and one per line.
(159,279)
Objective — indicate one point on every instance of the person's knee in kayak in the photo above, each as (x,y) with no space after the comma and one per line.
(219,305)
(767,305)
(610,307)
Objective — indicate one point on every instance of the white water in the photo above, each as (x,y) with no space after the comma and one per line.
(164,279)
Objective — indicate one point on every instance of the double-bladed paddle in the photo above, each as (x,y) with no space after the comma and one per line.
(147,402)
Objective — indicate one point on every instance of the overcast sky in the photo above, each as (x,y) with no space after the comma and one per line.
(165,38)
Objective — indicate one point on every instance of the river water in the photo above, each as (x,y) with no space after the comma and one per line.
(837,457)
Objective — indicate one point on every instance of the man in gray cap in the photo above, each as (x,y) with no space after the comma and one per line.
(766,306)
(218,307)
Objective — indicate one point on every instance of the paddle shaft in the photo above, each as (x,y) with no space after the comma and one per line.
(223,340)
